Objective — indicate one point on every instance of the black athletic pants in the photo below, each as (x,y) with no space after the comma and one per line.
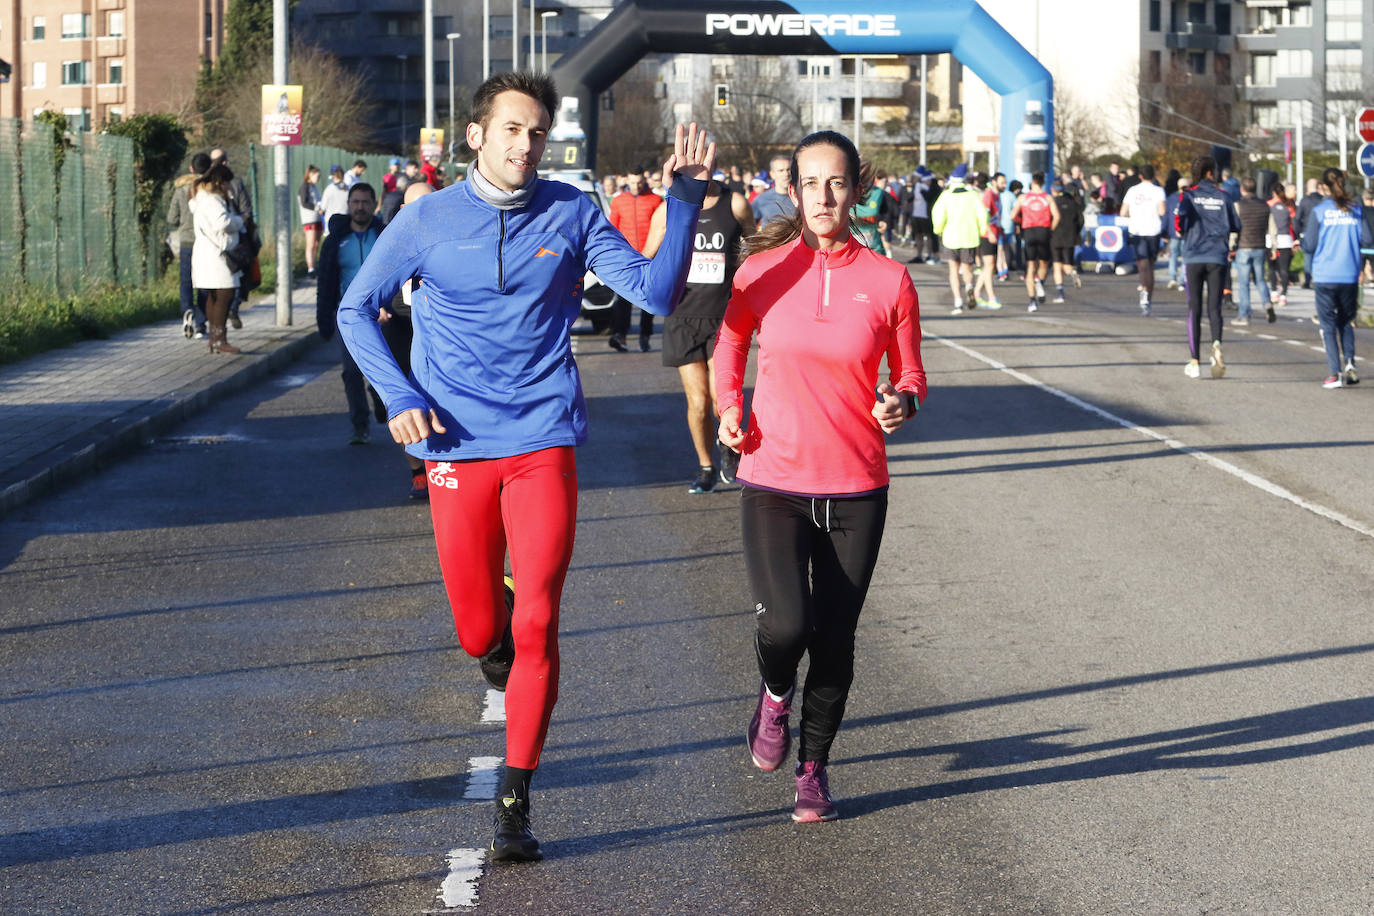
(810,562)
(1214,277)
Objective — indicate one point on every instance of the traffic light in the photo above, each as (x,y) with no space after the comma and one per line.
(722,95)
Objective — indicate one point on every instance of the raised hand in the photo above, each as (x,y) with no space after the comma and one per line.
(692,155)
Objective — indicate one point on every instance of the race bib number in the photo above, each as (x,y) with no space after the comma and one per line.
(707,267)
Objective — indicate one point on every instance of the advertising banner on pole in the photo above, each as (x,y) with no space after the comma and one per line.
(281,115)
(431,142)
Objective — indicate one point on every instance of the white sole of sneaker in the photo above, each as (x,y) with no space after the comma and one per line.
(811,817)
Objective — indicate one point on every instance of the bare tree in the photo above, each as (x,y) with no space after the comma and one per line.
(1081,133)
(338,108)
(630,134)
(1185,114)
(762,116)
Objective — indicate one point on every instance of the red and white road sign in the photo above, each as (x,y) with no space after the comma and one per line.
(1364,125)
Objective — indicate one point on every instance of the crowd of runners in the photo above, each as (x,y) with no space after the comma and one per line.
(799,261)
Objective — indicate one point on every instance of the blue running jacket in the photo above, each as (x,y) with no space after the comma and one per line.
(499,292)
(1205,219)
(1332,240)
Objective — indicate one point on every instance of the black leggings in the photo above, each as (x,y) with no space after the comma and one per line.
(810,562)
(1278,270)
(1214,276)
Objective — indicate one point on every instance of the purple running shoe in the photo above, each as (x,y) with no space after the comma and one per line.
(769,737)
(813,794)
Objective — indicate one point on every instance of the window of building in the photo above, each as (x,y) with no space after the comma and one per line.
(117,72)
(76,25)
(114,24)
(813,68)
(75,72)
(402,25)
(40,74)
(114,115)
(40,27)
(1264,115)
(1294,62)
(1221,65)
(330,25)
(682,112)
(1197,12)
(1223,19)
(1343,70)
(78,118)
(1290,110)
(1154,15)
(1343,9)
(1262,69)
(682,69)
(770,68)
(500,28)
(1197,62)
(1343,29)
(722,68)
(1153,66)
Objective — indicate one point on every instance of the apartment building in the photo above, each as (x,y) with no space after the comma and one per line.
(385,39)
(1306,61)
(103,60)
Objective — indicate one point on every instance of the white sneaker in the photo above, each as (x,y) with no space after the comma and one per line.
(1351,376)
(1058,297)
(188,324)
(1218,367)
(958,307)
(1144,300)
(1039,289)
(1191,369)
(1032,307)
(1077,281)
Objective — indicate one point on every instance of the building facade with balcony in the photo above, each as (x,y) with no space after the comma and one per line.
(1308,62)
(99,61)
(385,40)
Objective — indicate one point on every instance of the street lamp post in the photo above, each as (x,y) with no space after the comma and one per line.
(452,137)
(486,39)
(531,36)
(403,58)
(544,36)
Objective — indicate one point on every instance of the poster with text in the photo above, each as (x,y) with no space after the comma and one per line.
(281,115)
(431,142)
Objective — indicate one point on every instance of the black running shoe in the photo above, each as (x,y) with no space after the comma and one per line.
(496,664)
(643,343)
(514,840)
(705,482)
(729,463)
(616,342)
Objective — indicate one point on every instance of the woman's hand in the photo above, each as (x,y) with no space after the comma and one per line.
(889,410)
(730,433)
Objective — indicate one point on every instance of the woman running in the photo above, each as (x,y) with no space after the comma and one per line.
(1334,234)
(826,310)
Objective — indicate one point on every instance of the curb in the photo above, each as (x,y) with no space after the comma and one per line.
(135,429)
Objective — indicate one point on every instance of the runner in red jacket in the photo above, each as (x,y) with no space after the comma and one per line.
(826,311)
(631,213)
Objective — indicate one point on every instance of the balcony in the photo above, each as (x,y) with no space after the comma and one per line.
(109,94)
(109,47)
(1194,36)
(110,5)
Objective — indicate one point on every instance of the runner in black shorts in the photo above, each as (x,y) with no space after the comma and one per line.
(1038,215)
(689,333)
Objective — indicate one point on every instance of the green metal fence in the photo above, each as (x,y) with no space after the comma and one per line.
(253,164)
(63,229)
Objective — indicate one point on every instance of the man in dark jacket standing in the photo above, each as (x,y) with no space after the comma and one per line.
(1205,220)
(1309,200)
(345,248)
(1252,252)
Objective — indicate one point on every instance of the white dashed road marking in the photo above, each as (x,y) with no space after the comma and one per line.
(1253,480)
(459,890)
(495,708)
(483,773)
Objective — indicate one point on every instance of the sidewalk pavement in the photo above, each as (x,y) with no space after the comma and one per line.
(72,409)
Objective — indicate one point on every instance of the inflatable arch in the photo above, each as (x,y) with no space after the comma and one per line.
(815,28)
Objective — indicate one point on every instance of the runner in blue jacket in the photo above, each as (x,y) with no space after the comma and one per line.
(1335,232)
(493,402)
(1205,220)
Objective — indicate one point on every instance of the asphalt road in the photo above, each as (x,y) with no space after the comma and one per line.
(1115,658)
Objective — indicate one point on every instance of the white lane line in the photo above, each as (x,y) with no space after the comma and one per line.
(1253,480)
(1266,337)
(459,890)
(483,774)
(494,710)
(1296,343)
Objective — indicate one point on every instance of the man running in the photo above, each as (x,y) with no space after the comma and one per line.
(493,404)
(1143,209)
(689,334)
(960,220)
(1039,216)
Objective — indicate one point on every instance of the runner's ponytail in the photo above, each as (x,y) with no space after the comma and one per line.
(1334,179)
